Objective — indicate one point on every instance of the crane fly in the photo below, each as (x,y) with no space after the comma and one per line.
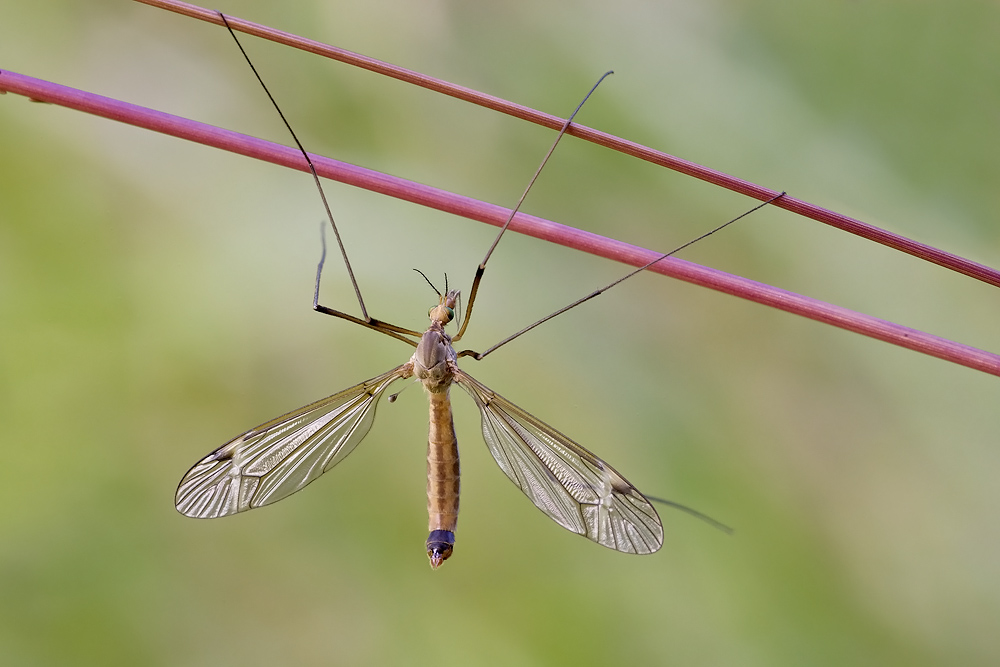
(572,486)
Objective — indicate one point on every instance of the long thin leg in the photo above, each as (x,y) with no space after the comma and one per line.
(376,325)
(479,355)
(367,321)
(482,264)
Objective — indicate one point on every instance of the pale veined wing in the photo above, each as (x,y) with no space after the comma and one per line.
(278,458)
(573,487)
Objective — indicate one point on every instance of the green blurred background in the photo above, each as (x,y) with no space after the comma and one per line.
(155,301)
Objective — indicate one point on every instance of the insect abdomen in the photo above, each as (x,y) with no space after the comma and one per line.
(442,479)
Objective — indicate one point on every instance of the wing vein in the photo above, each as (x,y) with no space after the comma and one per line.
(280,457)
(572,486)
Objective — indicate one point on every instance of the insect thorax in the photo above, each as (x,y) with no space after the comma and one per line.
(434,358)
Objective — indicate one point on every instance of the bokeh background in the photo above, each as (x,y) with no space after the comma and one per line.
(155,301)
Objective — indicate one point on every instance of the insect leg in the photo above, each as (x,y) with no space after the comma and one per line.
(366,320)
(479,355)
(482,265)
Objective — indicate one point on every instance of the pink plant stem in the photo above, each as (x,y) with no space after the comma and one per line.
(417,193)
(804,208)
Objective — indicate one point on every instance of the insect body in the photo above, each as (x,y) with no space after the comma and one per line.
(569,484)
(573,487)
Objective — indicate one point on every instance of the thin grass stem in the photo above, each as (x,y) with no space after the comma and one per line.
(873,327)
(721,179)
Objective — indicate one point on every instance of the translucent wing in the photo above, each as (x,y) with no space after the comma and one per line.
(573,487)
(278,458)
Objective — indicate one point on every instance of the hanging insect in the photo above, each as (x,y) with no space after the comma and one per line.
(572,486)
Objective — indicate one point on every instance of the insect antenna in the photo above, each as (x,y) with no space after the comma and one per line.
(436,291)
